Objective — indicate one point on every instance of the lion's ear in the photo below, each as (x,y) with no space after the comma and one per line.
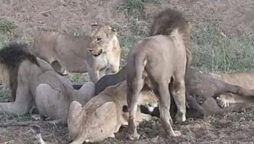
(111,32)
(113,29)
(94,26)
(189,24)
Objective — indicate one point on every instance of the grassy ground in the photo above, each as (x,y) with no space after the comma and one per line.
(213,51)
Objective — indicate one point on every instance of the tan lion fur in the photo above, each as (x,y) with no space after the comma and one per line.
(157,61)
(73,54)
(103,115)
(171,22)
(38,84)
(201,89)
(243,79)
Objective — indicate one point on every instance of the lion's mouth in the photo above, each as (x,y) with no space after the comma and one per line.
(97,54)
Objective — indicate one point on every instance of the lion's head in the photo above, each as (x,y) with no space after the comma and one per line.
(172,22)
(101,38)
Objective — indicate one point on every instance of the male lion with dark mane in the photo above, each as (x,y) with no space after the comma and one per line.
(157,61)
(34,82)
(75,54)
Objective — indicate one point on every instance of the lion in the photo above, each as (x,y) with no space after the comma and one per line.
(74,54)
(34,82)
(209,93)
(103,115)
(243,79)
(202,91)
(156,61)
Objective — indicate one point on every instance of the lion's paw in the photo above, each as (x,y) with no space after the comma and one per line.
(180,117)
(222,102)
(175,133)
(134,136)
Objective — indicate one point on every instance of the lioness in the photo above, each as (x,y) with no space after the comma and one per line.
(34,82)
(243,79)
(103,115)
(157,61)
(74,53)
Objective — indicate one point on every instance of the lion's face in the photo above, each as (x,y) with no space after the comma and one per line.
(101,38)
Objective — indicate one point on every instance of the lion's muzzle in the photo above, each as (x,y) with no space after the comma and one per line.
(95,53)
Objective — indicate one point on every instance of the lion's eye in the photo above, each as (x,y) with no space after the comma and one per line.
(98,39)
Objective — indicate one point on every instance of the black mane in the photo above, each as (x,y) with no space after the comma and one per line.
(12,56)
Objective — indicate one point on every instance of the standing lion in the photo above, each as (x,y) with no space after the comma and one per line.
(78,54)
(157,61)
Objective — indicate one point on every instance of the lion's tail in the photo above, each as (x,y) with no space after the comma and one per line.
(137,68)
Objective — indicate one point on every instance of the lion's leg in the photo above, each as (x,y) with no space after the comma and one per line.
(178,93)
(93,74)
(133,92)
(225,100)
(164,107)
(238,90)
(22,104)
(74,119)
(103,73)
(113,68)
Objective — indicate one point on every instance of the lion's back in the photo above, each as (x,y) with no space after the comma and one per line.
(243,79)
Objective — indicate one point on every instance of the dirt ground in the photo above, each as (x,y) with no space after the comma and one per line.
(229,128)
(75,16)
(233,16)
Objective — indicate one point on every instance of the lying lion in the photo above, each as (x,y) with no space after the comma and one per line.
(243,79)
(105,111)
(64,51)
(103,115)
(202,90)
(34,82)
